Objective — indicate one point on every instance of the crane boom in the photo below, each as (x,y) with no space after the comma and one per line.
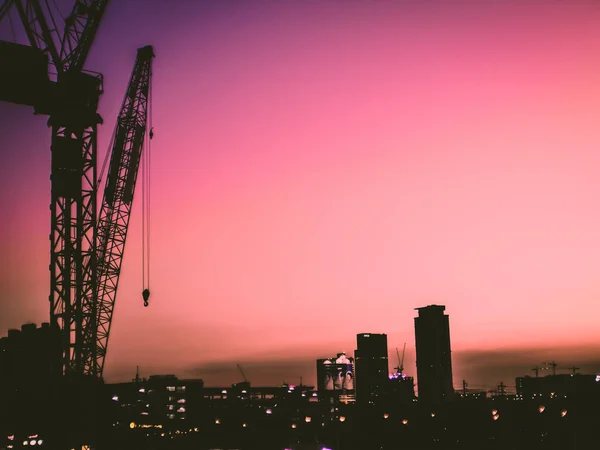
(80,29)
(242,372)
(116,206)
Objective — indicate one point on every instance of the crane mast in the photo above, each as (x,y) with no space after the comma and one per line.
(71,102)
(116,206)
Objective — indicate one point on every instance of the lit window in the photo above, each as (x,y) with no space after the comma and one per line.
(171,416)
(171,388)
(181,400)
(181,410)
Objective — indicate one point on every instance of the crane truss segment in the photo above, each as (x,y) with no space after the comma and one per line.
(68,51)
(80,30)
(73,234)
(4,8)
(116,206)
(39,34)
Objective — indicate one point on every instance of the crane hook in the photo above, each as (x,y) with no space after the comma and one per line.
(146,295)
(151,134)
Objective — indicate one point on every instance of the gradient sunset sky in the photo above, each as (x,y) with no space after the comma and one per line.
(321,168)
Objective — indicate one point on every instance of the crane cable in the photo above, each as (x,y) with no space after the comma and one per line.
(146,157)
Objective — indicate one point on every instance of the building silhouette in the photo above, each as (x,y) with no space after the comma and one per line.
(335,379)
(161,400)
(400,389)
(30,371)
(371,362)
(576,387)
(434,363)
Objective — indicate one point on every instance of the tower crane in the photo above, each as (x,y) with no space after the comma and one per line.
(242,372)
(71,101)
(86,254)
(400,368)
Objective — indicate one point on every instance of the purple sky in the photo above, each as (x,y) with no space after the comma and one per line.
(321,168)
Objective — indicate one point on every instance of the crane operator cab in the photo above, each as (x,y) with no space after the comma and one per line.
(146,296)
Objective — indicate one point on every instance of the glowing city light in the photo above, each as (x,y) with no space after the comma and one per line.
(563,413)
(494,412)
(541,409)
(244,425)
(386,415)
(342,418)
(293,425)
(404,421)
(217,421)
(432,414)
(307,419)
(269,411)
(132,425)
(496,416)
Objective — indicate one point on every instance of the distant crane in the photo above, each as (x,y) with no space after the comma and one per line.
(536,369)
(572,369)
(400,368)
(553,365)
(242,372)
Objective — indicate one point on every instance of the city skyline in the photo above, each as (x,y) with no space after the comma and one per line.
(311,160)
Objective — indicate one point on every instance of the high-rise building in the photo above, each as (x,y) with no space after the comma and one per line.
(434,363)
(371,362)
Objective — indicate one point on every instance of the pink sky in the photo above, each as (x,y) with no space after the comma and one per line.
(322,168)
